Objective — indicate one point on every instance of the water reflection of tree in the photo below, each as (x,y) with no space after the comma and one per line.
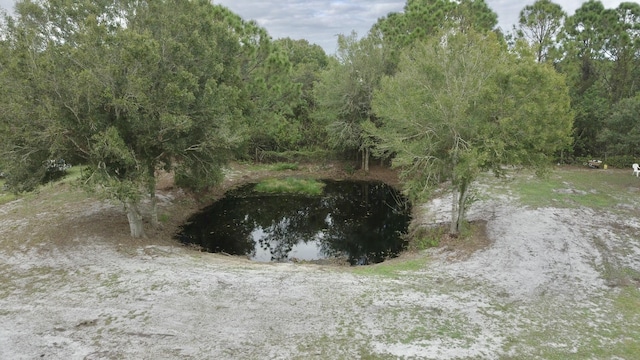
(354,220)
(360,228)
(222,227)
(299,219)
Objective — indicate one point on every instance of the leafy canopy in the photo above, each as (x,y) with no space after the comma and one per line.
(125,87)
(460,104)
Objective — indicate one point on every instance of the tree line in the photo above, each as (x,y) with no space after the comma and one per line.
(131,87)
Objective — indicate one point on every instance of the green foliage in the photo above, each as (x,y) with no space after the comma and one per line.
(616,161)
(540,24)
(601,63)
(423,237)
(460,104)
(345,91)
(621,132)
(591,109)
(422,19)
(291,185)
(270,93)
(349,169)
(125,87)
(307,62)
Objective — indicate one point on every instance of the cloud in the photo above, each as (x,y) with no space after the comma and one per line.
(318,21)
(7,4)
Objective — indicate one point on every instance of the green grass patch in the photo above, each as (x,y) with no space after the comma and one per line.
(6,196)
(73,174)
(291,186)
(570,188)
(163,218)
(424,237)
(391,268)
(627,305)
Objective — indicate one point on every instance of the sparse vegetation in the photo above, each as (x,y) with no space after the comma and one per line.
(572,187)
(285,166)
(5,196)
(423,237)
(135,89)
(404,304)
(391,268)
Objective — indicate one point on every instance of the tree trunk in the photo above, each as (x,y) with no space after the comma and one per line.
(365,159)
(154,202)
(135,219)
(458,205)
(455,200)
(154,210)
(152,196)
(464,193)
(453,228)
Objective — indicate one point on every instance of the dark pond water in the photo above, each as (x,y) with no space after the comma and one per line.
(358,221)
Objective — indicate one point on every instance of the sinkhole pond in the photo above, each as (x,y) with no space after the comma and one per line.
(355,221)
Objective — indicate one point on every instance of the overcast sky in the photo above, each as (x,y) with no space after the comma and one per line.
(319,21)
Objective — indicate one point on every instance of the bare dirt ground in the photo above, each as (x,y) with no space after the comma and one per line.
(548,282)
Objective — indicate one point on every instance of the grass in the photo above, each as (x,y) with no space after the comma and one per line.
(571,188)
(6,196)
(579,332)
(291,186)
(391,268)
(604,326)
(424,237)
(71,176)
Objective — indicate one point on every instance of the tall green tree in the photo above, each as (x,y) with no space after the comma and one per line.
(540,24)
(424,18)
(621,129)
(345,91)
(602,66)
(128,87)
(307,62)
(26,101)
(623,48)
(461,104)
(584,67)
(269,94)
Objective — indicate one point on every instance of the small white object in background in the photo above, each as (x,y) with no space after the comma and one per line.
(636,169)
(594,164)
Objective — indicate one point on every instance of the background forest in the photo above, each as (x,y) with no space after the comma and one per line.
(130,87)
